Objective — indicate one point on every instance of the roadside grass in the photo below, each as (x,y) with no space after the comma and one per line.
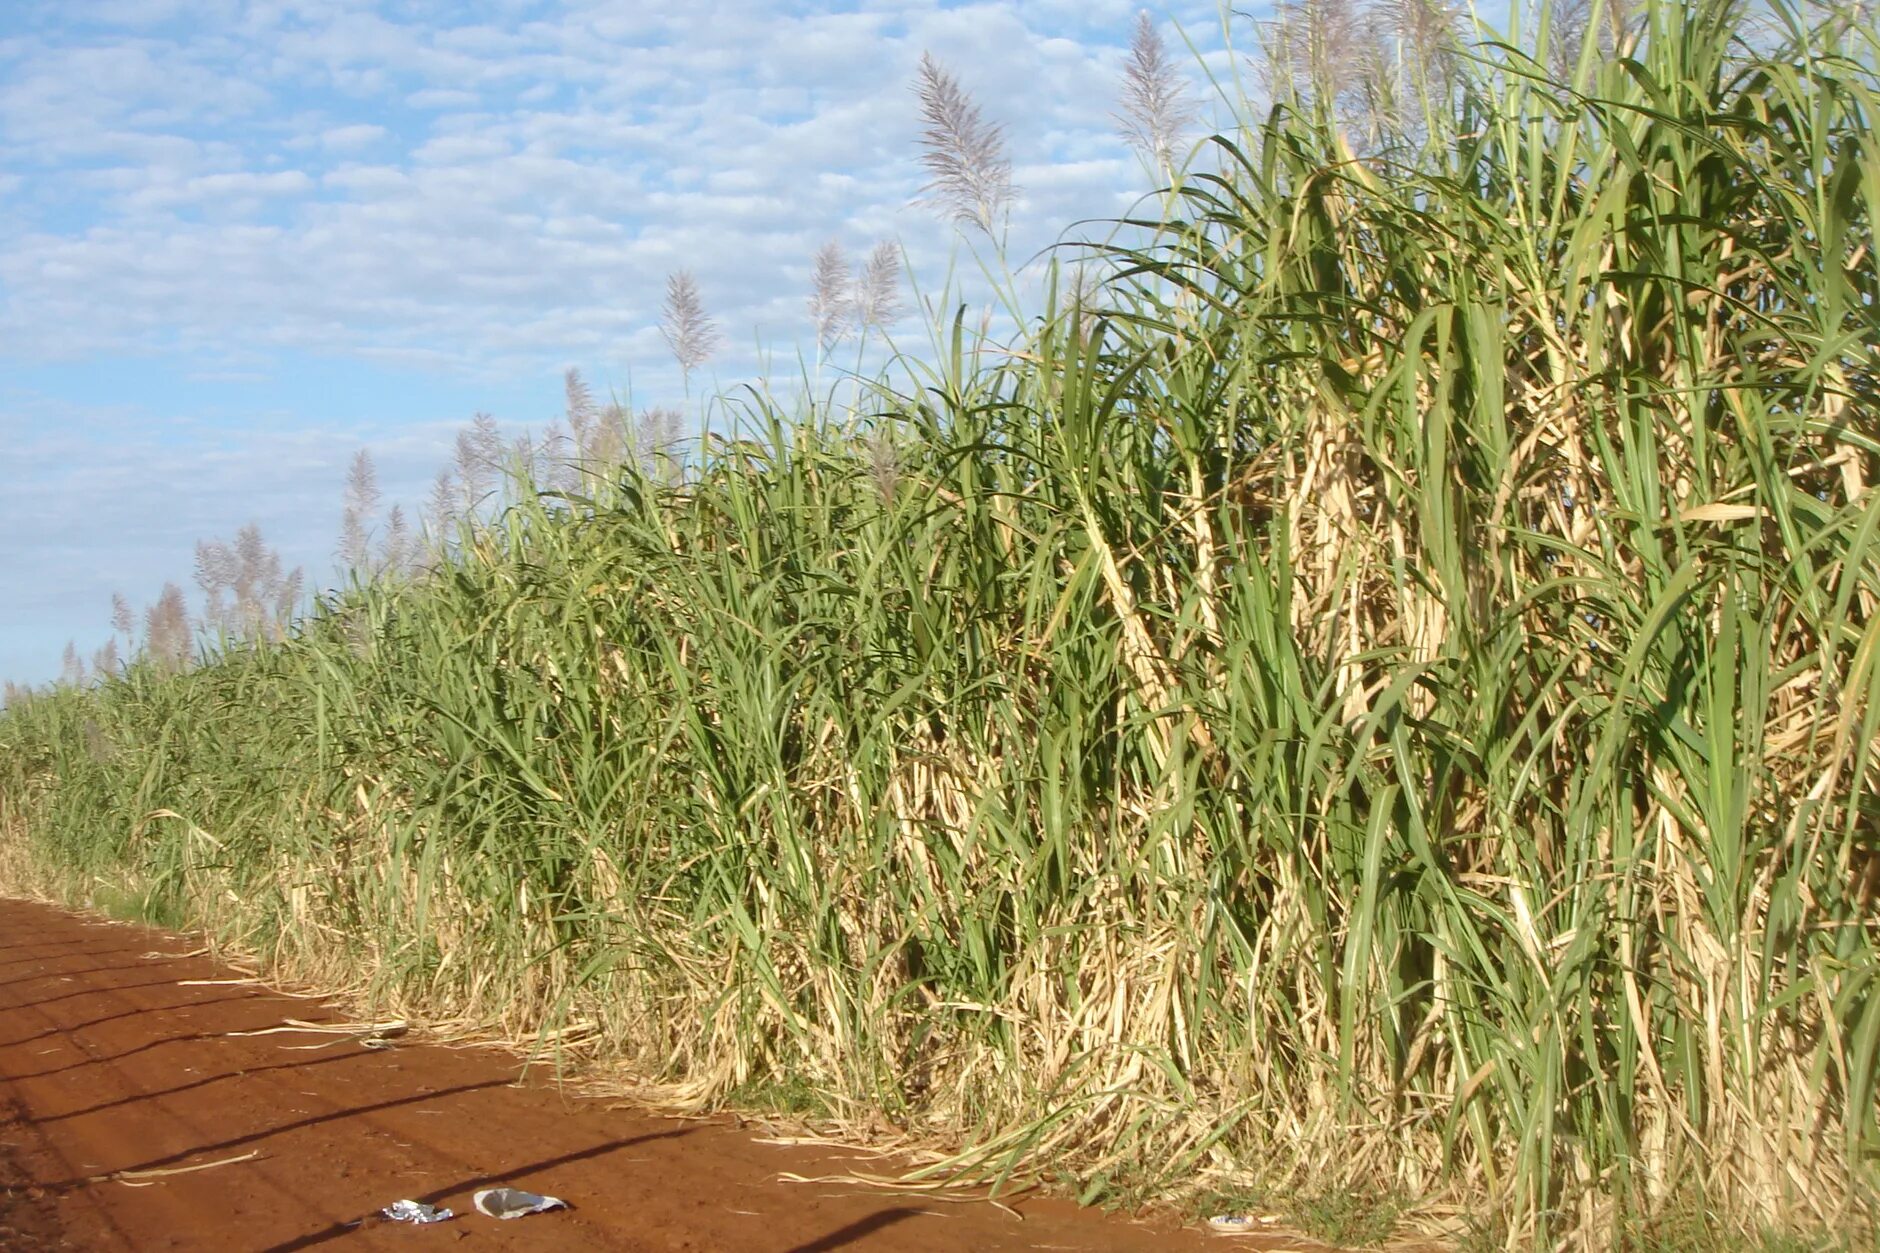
(789,1095)
(1351,1218)
(145,904)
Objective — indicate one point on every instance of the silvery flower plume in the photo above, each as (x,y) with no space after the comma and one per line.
(580,410)
(361,505)
(1572,24)
(169,636)
(692,336)
(395,551)
(286,601)
(965,155)
(557,469)
(1156,111)
(263,591)
(612,436)
(72,666)
(216,572)
(1318,50)
(478,461)
(1081,296)
(122,620)
(1422,48)
(656,434)
(1428,32)
(441,514)
(831,300)
(878,291)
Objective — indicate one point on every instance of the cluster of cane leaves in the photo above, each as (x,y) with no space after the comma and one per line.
(1387,693)
(1553,444)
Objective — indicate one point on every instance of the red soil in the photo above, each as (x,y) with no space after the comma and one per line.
(111,1060)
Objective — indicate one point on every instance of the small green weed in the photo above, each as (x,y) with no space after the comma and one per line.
(1350,1217)
(790,1095)
(149,905)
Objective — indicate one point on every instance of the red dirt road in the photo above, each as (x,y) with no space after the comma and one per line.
(115,1056)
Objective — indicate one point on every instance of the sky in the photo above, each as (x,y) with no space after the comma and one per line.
(242,239)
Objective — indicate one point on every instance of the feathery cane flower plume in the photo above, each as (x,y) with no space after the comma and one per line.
(1573,22)
(884,461)
(1422,48)
(610,438)
(168,631)
(479,460)
(441,514)
(216,572)
(878,291)
(472,481)
(580,410)
(122,620)
(395,550)
(1426,30)
(264,593)
(831,299)
(555,467)
(656,436)
(361,503)
(971,174)
(264,597)
(692,336)
(72,666)
(1318,50)
(1081,296)
(1156,111)
(286,600)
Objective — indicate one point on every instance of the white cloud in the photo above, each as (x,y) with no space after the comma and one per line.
(353,137)
(442,98)
(240,192)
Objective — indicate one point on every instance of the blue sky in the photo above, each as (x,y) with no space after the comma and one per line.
(241,240)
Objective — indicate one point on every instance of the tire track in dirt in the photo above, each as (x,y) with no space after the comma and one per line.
(116,1056)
